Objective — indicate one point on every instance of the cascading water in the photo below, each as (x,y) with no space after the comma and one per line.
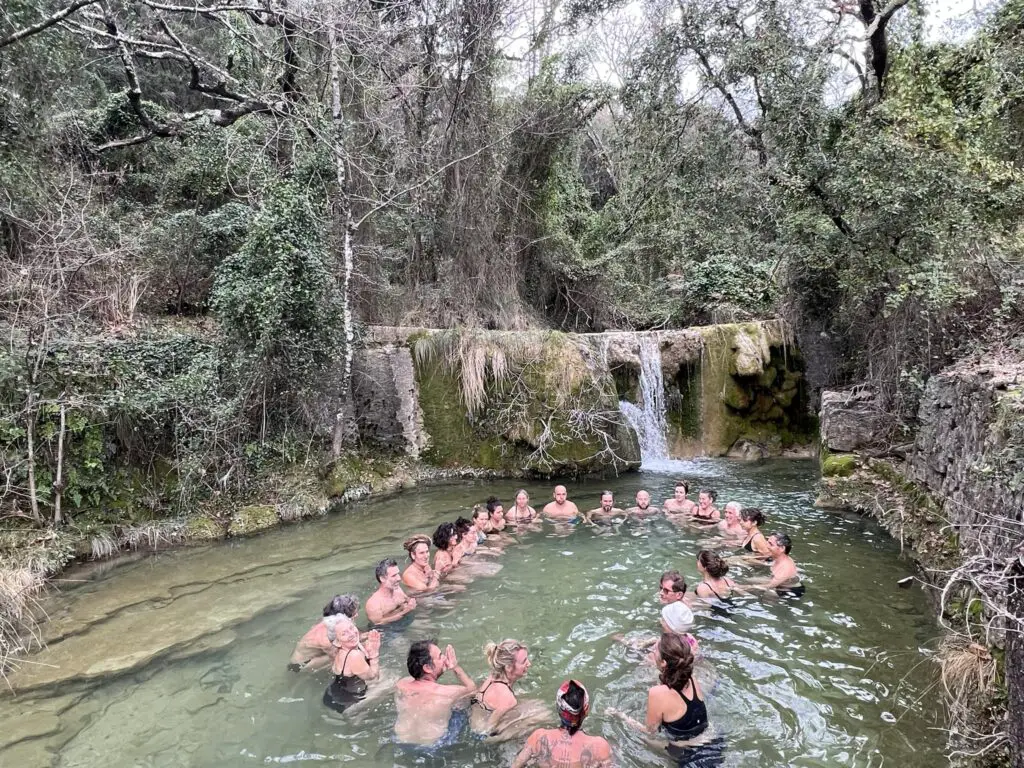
(648,418)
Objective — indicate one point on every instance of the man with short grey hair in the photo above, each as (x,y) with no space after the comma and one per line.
(389,603)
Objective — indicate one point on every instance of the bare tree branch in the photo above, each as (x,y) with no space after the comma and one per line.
(49,21)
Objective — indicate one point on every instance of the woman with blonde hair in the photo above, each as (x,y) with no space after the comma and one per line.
(509,661)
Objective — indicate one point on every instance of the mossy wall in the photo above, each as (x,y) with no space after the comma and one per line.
(753,389)
(548,411)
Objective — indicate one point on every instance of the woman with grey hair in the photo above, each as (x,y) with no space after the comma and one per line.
(351,670)
(315,650)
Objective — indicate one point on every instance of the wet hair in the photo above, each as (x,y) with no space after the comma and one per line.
(443,536)
(755,515)
(712,563)
(410,544)
(462,526)
(575,698)
(479,510)
(783,541)
(524,492)
(677,655)
(419,657)
(502,656)
(346,605)
(381,571)
(492,504)
(735,504)
(710,492)
(682,484)
(675,579)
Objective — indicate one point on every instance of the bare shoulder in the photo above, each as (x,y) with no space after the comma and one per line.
(595,753)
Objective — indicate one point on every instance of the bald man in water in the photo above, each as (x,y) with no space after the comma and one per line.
(643,506)
(561,508)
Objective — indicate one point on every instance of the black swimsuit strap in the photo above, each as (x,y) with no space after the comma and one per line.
(708,585)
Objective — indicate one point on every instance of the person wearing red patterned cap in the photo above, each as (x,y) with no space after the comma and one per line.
(566,746)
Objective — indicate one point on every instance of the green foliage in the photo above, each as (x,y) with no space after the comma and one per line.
(276,297)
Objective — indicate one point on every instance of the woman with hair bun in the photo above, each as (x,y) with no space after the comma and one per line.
(508,661)
(714,569)
(419,576)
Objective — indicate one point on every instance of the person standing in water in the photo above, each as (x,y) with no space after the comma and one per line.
(419,576)
(389,603)
(446,551)
(561,509)
(352,671)
(431,714)
(606,511)
(676,706)
(315,650)
(715,583)
(754,541)
(785,579)
(730,526)
(495,515)
(643,506)
(521,512)
(679,504)
(509,662)
(706,512)
(566,746)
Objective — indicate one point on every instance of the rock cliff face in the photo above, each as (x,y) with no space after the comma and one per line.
(958,500)
(969,453)
(547,403)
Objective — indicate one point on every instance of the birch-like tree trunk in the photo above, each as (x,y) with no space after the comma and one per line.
(344,422)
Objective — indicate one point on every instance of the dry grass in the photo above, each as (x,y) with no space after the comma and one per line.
(968,671)
(20,587)
(480,357)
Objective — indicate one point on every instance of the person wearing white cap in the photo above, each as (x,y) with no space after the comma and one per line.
(677,618)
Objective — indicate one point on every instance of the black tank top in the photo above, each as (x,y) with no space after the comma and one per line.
(693,722)
(345,690)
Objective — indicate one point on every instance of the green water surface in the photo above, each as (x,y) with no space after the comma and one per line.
(842,676)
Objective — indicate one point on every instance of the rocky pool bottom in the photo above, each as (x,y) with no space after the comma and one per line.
(179,659)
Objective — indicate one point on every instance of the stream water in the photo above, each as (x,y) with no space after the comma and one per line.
(841,676)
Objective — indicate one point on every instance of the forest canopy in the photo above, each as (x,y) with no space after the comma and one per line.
(230,189)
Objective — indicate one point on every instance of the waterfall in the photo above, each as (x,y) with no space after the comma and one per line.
(648,418)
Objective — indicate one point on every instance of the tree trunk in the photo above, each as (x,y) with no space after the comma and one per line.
(344,419)
(58,480)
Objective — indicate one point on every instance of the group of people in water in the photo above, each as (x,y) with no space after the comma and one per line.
(432,715)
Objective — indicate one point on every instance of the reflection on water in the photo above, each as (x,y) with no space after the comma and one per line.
(839,677)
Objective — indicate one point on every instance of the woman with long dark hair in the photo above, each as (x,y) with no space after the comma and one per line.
(676,707)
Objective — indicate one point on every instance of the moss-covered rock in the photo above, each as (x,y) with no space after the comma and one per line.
(252,519)
(524,403)
(838,464)
(203,528)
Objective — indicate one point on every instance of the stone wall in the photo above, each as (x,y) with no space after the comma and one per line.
(969,453)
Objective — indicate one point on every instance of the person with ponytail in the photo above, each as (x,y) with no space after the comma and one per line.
(508,661)
(714,569)
(676,706)
(566,746)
